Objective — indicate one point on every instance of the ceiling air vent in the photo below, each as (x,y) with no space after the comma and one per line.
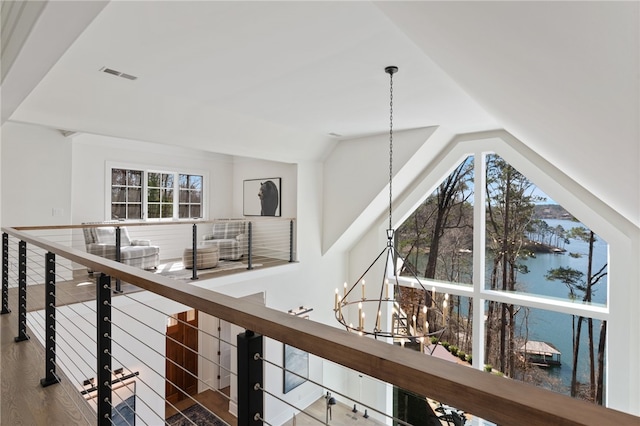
(118,73)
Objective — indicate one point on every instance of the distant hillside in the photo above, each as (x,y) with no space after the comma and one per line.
(550,211)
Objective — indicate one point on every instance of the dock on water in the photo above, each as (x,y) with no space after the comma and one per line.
(542,354)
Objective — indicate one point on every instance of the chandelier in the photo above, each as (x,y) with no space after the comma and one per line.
(402,328)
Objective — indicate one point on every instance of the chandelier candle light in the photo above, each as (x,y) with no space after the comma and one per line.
(401,329)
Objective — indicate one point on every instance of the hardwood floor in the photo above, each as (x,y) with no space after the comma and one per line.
(22,400)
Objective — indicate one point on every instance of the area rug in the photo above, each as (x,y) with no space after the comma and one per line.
(196,414)
(177,271)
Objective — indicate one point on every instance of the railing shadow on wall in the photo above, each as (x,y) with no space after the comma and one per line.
(113,339)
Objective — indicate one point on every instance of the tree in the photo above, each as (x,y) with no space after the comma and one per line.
(573,279)
(510,209)
(440,229)
(449,195)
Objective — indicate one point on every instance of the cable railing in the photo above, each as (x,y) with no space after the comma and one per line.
(116,352)
(207,248)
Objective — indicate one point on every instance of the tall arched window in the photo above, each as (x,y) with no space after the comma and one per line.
(534,266)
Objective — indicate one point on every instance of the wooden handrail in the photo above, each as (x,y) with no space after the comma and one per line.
(141,223)
(497,399)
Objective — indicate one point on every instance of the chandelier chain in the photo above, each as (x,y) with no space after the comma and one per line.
(390,144)
(389,318)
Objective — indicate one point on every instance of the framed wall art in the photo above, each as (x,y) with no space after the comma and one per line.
(262,197)
(296,362)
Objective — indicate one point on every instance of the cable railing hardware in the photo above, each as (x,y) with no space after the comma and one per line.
(267,243)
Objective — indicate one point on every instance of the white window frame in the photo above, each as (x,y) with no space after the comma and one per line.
(620,234)
(146,169)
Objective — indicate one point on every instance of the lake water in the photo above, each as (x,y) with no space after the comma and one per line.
(554,327)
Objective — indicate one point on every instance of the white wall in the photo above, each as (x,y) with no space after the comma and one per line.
(92,157)
(36,176)
(247,168)
(91,154)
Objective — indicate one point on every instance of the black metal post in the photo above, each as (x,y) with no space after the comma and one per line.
(50,377)
(22,292)
(194,248)
(5,274)
(290,241)
(249,249)
(250,379)
(118,257)
(103,302)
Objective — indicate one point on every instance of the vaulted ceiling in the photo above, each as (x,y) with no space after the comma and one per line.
(288,80)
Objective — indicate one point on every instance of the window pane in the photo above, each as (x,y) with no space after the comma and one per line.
(118,177)
(134,178)
(195,182)
(437,239)
(134,211)
(127,196)
(542,338)
(167,181)
(154,195)
(126,189)
(154,211)
(118,211)
(536,246)
(134,195)
(118,195)
(153,180)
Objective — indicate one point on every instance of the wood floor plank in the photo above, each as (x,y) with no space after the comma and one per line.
(23,401)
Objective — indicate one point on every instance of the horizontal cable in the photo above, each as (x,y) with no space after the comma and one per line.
(37,330)
(61,312)
(164,313)
(163,356)
(166,380)
(121,385)
(332,390)
(170,338)
(142,381)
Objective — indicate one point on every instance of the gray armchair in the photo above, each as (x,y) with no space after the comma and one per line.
(139,253)
(230,237)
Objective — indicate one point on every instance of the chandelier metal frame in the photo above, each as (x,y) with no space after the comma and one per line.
(402,329)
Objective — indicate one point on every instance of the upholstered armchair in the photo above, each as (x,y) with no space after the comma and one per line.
(230,237)
(139,253)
